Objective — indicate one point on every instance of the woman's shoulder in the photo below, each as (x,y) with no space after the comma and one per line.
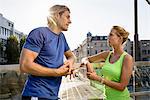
(128,57)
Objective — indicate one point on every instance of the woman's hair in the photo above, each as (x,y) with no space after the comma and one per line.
(121,32)
(54,10)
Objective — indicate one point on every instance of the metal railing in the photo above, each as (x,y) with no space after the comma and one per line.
(136,94)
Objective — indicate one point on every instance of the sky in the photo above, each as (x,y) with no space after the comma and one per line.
(95,16)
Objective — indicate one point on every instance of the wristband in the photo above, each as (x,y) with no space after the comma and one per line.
(84,60)
(102,80)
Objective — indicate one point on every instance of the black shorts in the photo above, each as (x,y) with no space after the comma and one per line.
(29,98)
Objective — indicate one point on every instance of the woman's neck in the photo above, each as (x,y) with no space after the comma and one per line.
(118,50)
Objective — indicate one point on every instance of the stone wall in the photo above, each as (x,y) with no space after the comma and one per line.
(11,81)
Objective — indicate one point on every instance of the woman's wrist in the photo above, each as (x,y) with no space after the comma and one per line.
(85,60)
(101,80)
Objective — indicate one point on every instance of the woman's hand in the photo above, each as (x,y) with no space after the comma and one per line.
(93,76)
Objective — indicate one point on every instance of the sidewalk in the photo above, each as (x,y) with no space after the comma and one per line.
(75,89)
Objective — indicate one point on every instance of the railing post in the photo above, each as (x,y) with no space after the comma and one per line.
(133,74)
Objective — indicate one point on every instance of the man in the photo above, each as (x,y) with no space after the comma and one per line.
(42,57)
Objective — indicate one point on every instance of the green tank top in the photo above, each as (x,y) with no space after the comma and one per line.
(113,72)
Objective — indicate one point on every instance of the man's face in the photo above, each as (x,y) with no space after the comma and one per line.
(64,21)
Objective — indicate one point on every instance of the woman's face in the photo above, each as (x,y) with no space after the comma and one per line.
(113,38)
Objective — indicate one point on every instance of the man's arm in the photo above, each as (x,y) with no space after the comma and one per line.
(70,56)
(27,65)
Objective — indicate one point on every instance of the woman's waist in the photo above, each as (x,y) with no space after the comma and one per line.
(116,92)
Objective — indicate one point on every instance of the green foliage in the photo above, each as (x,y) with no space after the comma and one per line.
(12,50)
(22,41)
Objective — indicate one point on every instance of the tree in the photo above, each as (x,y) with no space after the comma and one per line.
(12,50)
(22,41)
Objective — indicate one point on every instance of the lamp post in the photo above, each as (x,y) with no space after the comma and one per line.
(148,1)
(136,40)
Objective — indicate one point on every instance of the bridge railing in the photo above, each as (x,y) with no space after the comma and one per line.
(140,77)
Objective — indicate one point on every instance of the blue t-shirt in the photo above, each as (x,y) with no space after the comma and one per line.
(50,48)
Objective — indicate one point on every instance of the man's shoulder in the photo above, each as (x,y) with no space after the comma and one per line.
(41,29)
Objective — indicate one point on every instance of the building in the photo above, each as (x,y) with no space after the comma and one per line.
(6,30)
(145,50)
(95,44)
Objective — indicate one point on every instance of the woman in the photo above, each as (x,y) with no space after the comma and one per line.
(117,69)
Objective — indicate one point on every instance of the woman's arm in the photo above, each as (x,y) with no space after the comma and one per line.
(89,67)
(98,57)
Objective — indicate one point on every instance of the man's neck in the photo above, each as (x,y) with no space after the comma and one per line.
(55,30)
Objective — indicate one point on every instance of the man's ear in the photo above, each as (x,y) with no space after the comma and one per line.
(57,15)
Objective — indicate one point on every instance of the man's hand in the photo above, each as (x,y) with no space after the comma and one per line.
(71,68)
(63,70)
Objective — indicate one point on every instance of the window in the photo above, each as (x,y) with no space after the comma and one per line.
(2,30)
(143,51)
(105,37)
(95,51)
(87,44)
(101,38)
(88,52)
(101,44)
(148,51)
(5,31)
(9,24)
